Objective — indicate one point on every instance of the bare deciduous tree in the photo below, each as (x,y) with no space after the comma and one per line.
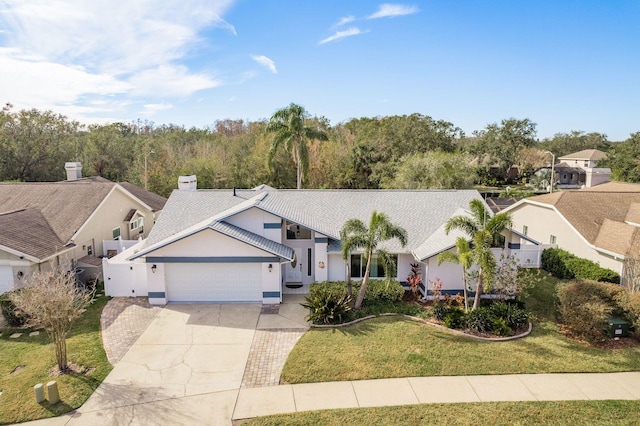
(52,300)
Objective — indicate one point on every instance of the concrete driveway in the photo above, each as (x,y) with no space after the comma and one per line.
(186,368)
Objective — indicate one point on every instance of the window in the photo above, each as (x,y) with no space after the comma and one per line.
(89,250)
(309,262)
(586,163)
(525,230)
(116,233)
(359,264)
(136,223)
(297,232)
(553,239)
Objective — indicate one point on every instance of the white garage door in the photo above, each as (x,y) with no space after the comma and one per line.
(6,279)
(213,282)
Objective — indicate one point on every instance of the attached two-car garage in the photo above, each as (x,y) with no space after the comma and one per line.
(213,282)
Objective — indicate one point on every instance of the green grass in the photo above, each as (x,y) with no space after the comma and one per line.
(494,413)
(388,347)
(84,348)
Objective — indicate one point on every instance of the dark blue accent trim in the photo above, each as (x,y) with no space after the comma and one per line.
(321,240)
(525,237)
(221,259)
(515,246)
(270,294)
(272,225)
(157,295)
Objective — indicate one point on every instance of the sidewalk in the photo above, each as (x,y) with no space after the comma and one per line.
(422,390)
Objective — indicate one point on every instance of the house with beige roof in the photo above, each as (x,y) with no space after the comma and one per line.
(601,223)
(43,222)
(254,245)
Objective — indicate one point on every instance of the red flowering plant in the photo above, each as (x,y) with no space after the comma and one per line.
(414,280)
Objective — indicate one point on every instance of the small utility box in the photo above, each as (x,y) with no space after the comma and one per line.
(618,327)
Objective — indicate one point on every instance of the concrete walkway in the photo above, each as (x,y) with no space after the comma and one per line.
(424,390)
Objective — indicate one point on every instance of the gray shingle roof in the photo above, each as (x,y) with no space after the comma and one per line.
(255,240)
(420,212)
(440,241)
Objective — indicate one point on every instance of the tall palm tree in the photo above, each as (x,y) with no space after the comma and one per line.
(289,129)
(463,257)
(356,235)
(484,231)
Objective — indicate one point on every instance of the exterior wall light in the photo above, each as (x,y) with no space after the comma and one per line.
(270,267)
(153,268)
(321,265)
(20,274)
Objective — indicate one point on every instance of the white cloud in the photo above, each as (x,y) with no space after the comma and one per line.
(345,20)
(169,80)
(265,62)
(342,34)
(28,82)
(391,10)
(151,109)
(66,53)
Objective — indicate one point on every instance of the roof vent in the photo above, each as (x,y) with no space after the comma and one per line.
(187,183)
(74,170)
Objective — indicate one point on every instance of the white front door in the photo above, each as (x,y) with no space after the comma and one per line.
(294,269)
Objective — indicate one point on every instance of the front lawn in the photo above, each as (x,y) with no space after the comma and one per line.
(27,361)
(494,413)
(388,347)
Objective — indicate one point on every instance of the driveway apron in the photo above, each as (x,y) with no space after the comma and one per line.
(186,368)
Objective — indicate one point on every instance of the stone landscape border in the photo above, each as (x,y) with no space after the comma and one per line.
(423,321)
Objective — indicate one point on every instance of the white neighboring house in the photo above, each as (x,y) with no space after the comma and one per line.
(256,245)
(67,222)
(601,224)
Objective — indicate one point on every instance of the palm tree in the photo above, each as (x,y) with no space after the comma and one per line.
(288,126)
(356,235)
(463,257)
(484,231)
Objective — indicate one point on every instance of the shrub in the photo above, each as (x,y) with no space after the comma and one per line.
(480,320)
(564,265)
(499,327)
(439,310)
(514,316)
(327,308)
(376,289)
(586,306)
(454,318)
(14,316)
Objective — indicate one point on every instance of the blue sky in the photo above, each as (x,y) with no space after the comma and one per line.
(566,65)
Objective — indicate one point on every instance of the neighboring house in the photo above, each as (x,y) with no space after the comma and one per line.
(601,224)
(67,222)
(580,169)
(256,245)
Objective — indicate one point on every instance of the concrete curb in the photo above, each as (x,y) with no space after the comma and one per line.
(423,321)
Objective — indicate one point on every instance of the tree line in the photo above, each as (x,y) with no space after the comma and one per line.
(408,151)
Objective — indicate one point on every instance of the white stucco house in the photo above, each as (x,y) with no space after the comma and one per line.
(256,245)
